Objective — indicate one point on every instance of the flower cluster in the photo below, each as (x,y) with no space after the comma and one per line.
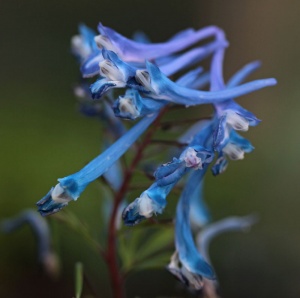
(144,70)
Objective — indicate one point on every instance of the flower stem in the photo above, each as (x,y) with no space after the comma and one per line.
(117,279)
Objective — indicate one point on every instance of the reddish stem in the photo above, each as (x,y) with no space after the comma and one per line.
(117,279)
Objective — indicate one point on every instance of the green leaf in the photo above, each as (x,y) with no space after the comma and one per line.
(155,242)
(129,243)
(142,243)
(78,279)
(124,252)
(156,262)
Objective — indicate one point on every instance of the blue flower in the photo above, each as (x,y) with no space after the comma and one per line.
(90,67)
(153,200)
(160,87)
(114,69)
(229,115)
(190,266)
(232,114)
(235,147)
(70,187)
(119,74)
(132,105)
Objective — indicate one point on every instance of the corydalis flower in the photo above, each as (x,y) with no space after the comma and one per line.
(160,87)
(231,115)
(153,200)
(191,267)
(115,73)
(170,64)
(132,105)
(69,188)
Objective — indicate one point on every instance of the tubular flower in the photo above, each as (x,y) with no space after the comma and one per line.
(193,265)
(159,86)
(195,156)
(132,105)
(69,188)
(229,115)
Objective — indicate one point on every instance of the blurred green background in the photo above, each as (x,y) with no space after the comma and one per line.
(43,137)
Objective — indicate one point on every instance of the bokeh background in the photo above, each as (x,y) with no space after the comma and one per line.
(43,137)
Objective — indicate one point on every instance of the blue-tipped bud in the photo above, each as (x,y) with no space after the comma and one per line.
(54,200)
(140,209)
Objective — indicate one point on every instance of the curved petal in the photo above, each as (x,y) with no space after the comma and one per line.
(189,256)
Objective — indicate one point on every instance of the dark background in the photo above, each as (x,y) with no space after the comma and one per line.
(43,137)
